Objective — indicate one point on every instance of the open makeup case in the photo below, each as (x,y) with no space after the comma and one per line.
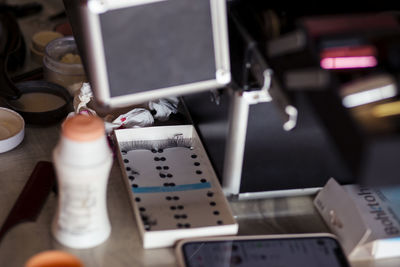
(285,126)
(264,89)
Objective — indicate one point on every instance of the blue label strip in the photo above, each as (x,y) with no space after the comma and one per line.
(165,189)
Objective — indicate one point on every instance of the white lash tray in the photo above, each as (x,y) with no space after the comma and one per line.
(173,188)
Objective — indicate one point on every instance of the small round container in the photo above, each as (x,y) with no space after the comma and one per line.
(53,258)
(39,42)
(62,64)
(12,129)
(41,102)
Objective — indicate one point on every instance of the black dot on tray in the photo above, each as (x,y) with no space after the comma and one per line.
(137,199)
(131,177)
(163,159)
(216,212)
(219,222)
(156,158)
(177,216)
(142,209)
(187,225)
(179,225)
(126,160)
(128,168)
(172,208)
(162,175)
(166,168)
(166,184)
(184,216)
(176,198)
(203,181)
(197,163)
(210,194)
(168,198)
(199,172)
(169,175)
(193,156)
(180,207)
(213,203)
(158,167)
(160,150)
(135,185)
(123,152)
(153,150)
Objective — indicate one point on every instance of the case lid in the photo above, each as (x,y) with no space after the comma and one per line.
(143,50)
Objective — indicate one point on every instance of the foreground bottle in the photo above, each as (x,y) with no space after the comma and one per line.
(82,160)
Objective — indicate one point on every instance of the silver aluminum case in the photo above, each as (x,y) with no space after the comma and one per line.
(235,148)
(93,51)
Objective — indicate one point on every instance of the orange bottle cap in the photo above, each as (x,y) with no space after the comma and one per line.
(53,258)
(83,128)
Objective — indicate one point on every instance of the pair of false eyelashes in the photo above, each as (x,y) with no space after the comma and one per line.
(157,145)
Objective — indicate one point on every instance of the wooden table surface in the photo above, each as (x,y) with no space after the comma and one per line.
(123,248)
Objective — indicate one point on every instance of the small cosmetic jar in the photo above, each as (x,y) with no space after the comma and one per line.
(39,42)
(12,129)
(62,64)
(41,102)
(53,258)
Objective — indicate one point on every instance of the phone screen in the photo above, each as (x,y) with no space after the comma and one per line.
(282,252)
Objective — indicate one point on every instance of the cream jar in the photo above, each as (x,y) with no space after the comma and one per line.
(62,64)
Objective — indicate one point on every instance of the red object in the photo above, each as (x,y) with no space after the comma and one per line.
(348,62)
(348,57)
(64,28)
(349,51)
(335,24)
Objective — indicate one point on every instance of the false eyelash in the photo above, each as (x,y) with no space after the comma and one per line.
(156,144)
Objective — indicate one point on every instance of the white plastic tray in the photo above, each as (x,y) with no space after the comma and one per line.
(174,191)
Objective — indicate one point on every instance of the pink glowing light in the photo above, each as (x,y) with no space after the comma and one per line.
(348,62)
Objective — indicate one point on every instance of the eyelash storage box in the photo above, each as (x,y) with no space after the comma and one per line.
(172,186)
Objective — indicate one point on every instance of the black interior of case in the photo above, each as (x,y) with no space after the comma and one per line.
(170,41)
(273,159)
(327,141)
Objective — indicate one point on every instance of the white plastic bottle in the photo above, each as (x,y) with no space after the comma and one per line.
(82,160)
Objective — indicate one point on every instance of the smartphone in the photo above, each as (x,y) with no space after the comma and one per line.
(262,250)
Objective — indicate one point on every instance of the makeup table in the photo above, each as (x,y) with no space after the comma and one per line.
(123,248)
